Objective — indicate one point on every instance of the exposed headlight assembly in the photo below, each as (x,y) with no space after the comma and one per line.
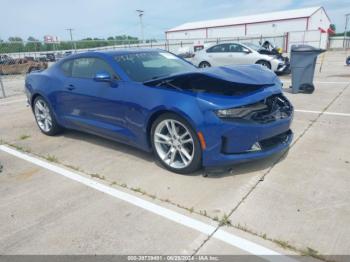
(241,112)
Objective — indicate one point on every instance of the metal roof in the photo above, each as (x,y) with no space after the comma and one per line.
(249,19)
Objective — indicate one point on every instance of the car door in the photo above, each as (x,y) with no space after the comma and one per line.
(240,54)
(90,105)
(217,55)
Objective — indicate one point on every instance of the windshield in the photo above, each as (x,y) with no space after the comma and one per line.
(145,66)
(252,46)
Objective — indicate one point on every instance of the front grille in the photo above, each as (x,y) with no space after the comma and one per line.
(280,66)
(275,140)
(277,107)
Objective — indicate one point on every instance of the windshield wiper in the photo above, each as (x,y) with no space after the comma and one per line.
(167,82)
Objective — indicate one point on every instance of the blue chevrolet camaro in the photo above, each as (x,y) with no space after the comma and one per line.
(154,100)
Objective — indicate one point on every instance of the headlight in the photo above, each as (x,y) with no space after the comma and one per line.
(231,113)
(240,112)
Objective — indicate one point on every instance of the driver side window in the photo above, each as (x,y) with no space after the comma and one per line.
(222,48)
(87,68)
(101,66)
(82,68)
(235,48)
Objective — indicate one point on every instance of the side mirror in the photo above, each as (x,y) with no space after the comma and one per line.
(103,77)
(247,51)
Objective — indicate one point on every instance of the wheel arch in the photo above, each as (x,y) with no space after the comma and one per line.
(37,94)
(204,61)
(34,96)
(153,117)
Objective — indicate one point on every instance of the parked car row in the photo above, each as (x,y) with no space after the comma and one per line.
(53,57)
(237,53)
(9,66)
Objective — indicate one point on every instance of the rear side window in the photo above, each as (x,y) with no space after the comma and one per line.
(67,68)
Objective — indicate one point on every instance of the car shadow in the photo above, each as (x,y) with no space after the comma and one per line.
(287,90)
(107,143)
(248,167)
(234,170)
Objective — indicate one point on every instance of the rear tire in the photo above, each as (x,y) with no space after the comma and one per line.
(175,144)
(204,64)
(45,118)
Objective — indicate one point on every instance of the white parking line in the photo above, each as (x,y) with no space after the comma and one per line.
(321,82)
(319,112)
(12,101)
(195,224)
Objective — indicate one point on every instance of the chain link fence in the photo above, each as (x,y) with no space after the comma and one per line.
(2,88)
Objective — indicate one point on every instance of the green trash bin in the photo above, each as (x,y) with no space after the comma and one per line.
(303,63)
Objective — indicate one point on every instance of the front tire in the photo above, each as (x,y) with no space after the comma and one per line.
(45,118)
(264,64)
(175,144)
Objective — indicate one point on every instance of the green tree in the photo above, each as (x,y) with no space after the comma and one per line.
(15,39)
(33,44)
(333,27)
(15,45)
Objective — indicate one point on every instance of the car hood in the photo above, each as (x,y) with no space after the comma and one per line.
(223,86)
(239,74)
(243,74)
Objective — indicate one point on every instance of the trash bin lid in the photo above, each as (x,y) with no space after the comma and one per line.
(306,48)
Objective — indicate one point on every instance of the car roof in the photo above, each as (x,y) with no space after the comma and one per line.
(214,44)
(121,51)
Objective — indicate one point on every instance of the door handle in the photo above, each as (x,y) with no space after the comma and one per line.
(71,87)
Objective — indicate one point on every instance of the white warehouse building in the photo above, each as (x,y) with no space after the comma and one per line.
(307,25)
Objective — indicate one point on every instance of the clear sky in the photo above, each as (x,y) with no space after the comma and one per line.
(103,18)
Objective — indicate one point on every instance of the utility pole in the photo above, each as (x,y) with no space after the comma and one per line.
(345,31)
(74,46)
(140,12)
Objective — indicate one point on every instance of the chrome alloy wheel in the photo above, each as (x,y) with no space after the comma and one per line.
(42,115)
(174,143)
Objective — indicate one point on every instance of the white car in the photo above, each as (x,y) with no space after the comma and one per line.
(232,54)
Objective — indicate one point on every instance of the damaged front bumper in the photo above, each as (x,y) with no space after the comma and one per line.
(283,68)
(276,144)
(258,134)
(223,159)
